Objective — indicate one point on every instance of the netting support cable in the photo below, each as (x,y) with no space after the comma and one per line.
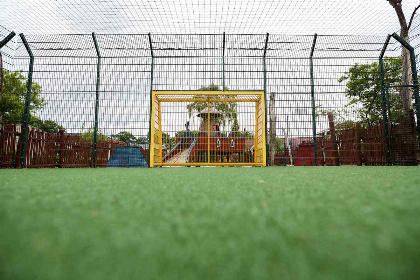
(223,61)
(311,65)
(26,114)
(151,93)
(98,83)
(265,93)
(7,39)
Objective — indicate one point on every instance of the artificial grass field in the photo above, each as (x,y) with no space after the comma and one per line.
(210,223)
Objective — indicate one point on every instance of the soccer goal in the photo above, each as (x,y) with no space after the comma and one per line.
(208,128)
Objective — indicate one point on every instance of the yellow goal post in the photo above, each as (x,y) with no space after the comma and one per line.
(207,144)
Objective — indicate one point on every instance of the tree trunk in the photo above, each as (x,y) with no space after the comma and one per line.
(406,79)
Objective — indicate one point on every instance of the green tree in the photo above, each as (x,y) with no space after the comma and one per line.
(47,125)
(279,145)
(12,102)
(167,140)
(235,127)
(124,136)
(363,88)
(228,110)
(142,140)
(89,135)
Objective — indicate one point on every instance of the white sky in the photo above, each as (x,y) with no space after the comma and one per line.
(355,17)
(130,111)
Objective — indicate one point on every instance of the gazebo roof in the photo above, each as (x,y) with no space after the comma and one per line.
(213,113)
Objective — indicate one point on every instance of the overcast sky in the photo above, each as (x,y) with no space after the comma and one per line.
(356,17)
(69,88)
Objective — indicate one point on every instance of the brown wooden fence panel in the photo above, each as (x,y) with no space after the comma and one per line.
(75,151)
(374,145)
(42,149)
(8,145)
(350,146)
(103,153)
(46,149)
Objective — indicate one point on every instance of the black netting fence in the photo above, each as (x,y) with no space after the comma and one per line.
(323,96)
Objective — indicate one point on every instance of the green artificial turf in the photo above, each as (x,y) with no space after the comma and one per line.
(210,223)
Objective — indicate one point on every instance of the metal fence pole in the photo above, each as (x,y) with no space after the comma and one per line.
(2,44)
(415,85)
(391,135)
(414,77)
(26,115)
(313,99)
(383,96)
(7,39)
(265,95)
(151,93)
(98,83)
(223,61)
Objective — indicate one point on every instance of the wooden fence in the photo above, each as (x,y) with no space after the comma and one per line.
(46,149)
(9,142)
(358,145)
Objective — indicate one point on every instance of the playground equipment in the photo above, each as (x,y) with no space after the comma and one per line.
(209,146)
(126,156)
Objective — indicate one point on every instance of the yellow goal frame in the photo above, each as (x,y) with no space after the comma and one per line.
(155,147)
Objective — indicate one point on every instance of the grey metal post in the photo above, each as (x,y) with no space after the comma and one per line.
(26,114)
(98,83)
(151,93)
(265,95)
(313,99)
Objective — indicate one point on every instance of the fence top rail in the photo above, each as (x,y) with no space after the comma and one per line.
(203,45)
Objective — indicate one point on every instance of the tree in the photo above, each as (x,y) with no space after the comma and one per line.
(47,125)
(363,88)
(142,140)
(279,145)
(167,140)
(235,127)
(406,77)
(124,136)
(12,102)
(90,135)
(228,110)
